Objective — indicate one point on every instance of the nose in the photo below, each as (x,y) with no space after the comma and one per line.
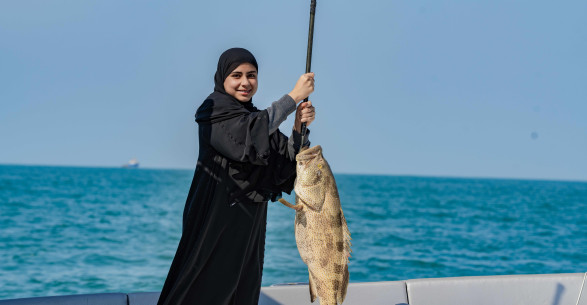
(245,82)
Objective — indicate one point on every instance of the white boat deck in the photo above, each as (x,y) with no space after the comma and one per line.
(541,289)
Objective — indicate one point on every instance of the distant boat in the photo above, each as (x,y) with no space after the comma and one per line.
(132,163)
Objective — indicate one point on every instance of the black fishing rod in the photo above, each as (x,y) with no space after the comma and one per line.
(309,55)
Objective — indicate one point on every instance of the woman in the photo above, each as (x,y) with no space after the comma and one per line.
(244,161)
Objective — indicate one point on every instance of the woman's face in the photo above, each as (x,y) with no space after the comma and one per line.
(241,83)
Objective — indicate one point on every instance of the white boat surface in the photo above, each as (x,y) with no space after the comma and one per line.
(539,289)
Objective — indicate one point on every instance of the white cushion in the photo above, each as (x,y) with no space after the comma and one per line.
(375,293)
(543,289)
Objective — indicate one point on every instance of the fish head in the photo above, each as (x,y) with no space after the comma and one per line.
(313,175)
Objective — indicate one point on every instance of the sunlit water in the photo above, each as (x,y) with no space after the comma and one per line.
(67,230)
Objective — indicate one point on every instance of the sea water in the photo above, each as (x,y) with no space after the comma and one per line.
(69,230)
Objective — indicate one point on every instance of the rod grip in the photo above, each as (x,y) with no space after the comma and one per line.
(304,128)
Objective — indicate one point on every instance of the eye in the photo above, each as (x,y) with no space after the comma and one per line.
(253,76)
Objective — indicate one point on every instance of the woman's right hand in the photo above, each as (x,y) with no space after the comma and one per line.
(304,87)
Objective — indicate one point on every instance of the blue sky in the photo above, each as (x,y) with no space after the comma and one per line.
(435,88)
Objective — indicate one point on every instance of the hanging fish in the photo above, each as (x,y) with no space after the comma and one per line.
(322,235)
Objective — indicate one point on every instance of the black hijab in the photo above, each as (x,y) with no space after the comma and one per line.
(225,105)
(228,61)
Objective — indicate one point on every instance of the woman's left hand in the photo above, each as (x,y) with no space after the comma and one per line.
(306,113)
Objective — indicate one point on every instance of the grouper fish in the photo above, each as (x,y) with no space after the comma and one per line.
(321,231)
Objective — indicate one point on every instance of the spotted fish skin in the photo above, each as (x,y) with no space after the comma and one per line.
(322,235)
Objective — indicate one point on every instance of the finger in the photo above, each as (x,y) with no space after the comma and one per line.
(308,116)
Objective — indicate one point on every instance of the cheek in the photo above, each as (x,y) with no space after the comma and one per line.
(254,85)
(229,85)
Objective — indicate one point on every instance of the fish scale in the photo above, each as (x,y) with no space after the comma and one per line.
(321,231)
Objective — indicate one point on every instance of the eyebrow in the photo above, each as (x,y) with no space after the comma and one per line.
(253,71)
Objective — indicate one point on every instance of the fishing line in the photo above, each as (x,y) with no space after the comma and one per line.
(581,291)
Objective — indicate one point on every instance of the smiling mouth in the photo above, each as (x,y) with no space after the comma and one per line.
(245,92)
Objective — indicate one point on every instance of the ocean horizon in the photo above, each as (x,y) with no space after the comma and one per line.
(78,229)
(521,178)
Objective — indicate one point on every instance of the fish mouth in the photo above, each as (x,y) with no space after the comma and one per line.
(309,153)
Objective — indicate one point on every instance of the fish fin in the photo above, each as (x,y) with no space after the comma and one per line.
(312,288)
(312,196)
(296,207)
(347,237)
(341,294)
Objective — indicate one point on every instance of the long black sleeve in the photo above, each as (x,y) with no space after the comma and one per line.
(244,138)
(236,130)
